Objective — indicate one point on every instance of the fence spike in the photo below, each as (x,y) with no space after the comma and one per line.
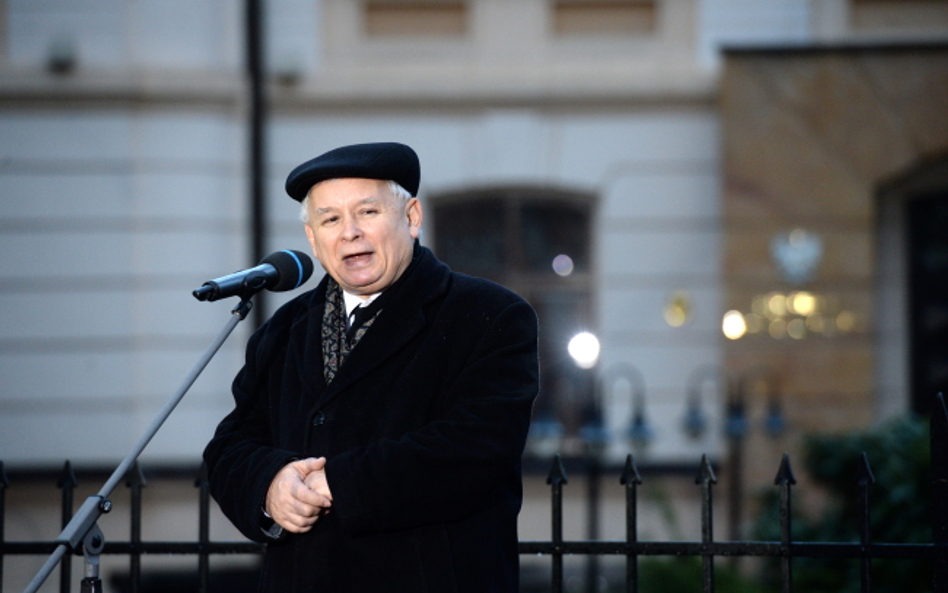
(785,479)
(201,478)
(864,475)
(557,472)
(630,474)
(67,483)
(706,472)
(785,473)
(135,477)
(67,477)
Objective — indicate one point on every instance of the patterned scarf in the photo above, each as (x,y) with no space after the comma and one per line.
(336,347)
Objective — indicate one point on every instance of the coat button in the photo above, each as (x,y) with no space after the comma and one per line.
(319,419)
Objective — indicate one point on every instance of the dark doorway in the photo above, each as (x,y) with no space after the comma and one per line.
(928,297)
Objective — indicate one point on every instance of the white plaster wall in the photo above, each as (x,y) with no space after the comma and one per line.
(735,23)
(110,218)
(117,34)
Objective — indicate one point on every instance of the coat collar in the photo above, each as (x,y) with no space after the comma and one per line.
(402,317)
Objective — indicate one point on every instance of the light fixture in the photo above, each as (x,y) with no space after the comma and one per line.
(797,315)
(678,309)
(584,349)
(733,325)
(563,265)
(62,55)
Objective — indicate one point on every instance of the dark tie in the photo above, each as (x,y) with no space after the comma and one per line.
(359,315)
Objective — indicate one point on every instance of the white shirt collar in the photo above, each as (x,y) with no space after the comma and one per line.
(352,301)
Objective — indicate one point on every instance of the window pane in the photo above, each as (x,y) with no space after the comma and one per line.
(604,17)
(565,389)
(416,18)
(470,237)
(552,229)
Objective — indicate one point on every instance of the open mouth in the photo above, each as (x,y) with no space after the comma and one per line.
(355,258)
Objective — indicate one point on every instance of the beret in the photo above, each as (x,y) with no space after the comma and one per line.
(388,161)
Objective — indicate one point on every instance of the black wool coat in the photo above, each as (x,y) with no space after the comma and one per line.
(423,429)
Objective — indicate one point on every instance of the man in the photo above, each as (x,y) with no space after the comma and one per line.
(383,456)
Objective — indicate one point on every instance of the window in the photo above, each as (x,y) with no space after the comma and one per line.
(415,18)
(536,242)
(604,17)
(905,16)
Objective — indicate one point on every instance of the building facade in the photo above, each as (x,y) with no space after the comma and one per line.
(619,133)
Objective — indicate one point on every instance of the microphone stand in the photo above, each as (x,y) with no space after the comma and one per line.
(82,529)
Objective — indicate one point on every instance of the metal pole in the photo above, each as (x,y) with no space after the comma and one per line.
(4,484)
(204,528)
(68,483)
(785,480)
(257,165)
(864,480)
(631,480)
(556,479)
(706,479)
(592,517)
(939,471)
(135,482)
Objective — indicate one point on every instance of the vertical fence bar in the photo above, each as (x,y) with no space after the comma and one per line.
(594,474)
(706,479)
(556,479)
(865,479)
(204,528)
(939,471)
(135,481)
(631,480)
(785,480)
(68,483)
(4,484)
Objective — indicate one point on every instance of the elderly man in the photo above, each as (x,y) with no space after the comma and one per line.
(380,418)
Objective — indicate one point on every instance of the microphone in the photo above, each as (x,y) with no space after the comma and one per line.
(279,271)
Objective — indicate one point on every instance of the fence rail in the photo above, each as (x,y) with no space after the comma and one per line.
(556,548)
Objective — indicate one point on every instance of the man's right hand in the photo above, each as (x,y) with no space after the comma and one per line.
(290,502)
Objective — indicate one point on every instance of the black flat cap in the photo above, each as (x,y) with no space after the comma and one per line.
(376,160)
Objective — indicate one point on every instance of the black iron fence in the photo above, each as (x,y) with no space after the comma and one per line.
(631,548)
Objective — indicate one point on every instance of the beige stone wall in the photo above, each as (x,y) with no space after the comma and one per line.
(809,138)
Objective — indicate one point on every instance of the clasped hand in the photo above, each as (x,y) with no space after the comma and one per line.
(299,495)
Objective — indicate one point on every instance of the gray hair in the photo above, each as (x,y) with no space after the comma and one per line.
(397,190)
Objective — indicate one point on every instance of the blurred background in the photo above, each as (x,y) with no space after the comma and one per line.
(729,215)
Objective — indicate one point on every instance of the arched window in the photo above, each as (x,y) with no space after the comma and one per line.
(536,242)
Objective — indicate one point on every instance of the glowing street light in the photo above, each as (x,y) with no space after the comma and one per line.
(584,348)
(733,325)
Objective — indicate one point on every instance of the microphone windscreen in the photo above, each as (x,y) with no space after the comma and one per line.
(294,268)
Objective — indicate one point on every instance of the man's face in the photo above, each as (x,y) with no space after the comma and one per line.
(361,233)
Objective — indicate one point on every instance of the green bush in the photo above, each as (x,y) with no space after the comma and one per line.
(899,502)
(684,575)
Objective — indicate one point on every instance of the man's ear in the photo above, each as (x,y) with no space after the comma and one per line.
(415,216)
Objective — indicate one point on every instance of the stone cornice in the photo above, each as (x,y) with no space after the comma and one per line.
(31,88)
(363,90)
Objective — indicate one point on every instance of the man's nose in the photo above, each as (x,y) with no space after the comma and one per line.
(351,229)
